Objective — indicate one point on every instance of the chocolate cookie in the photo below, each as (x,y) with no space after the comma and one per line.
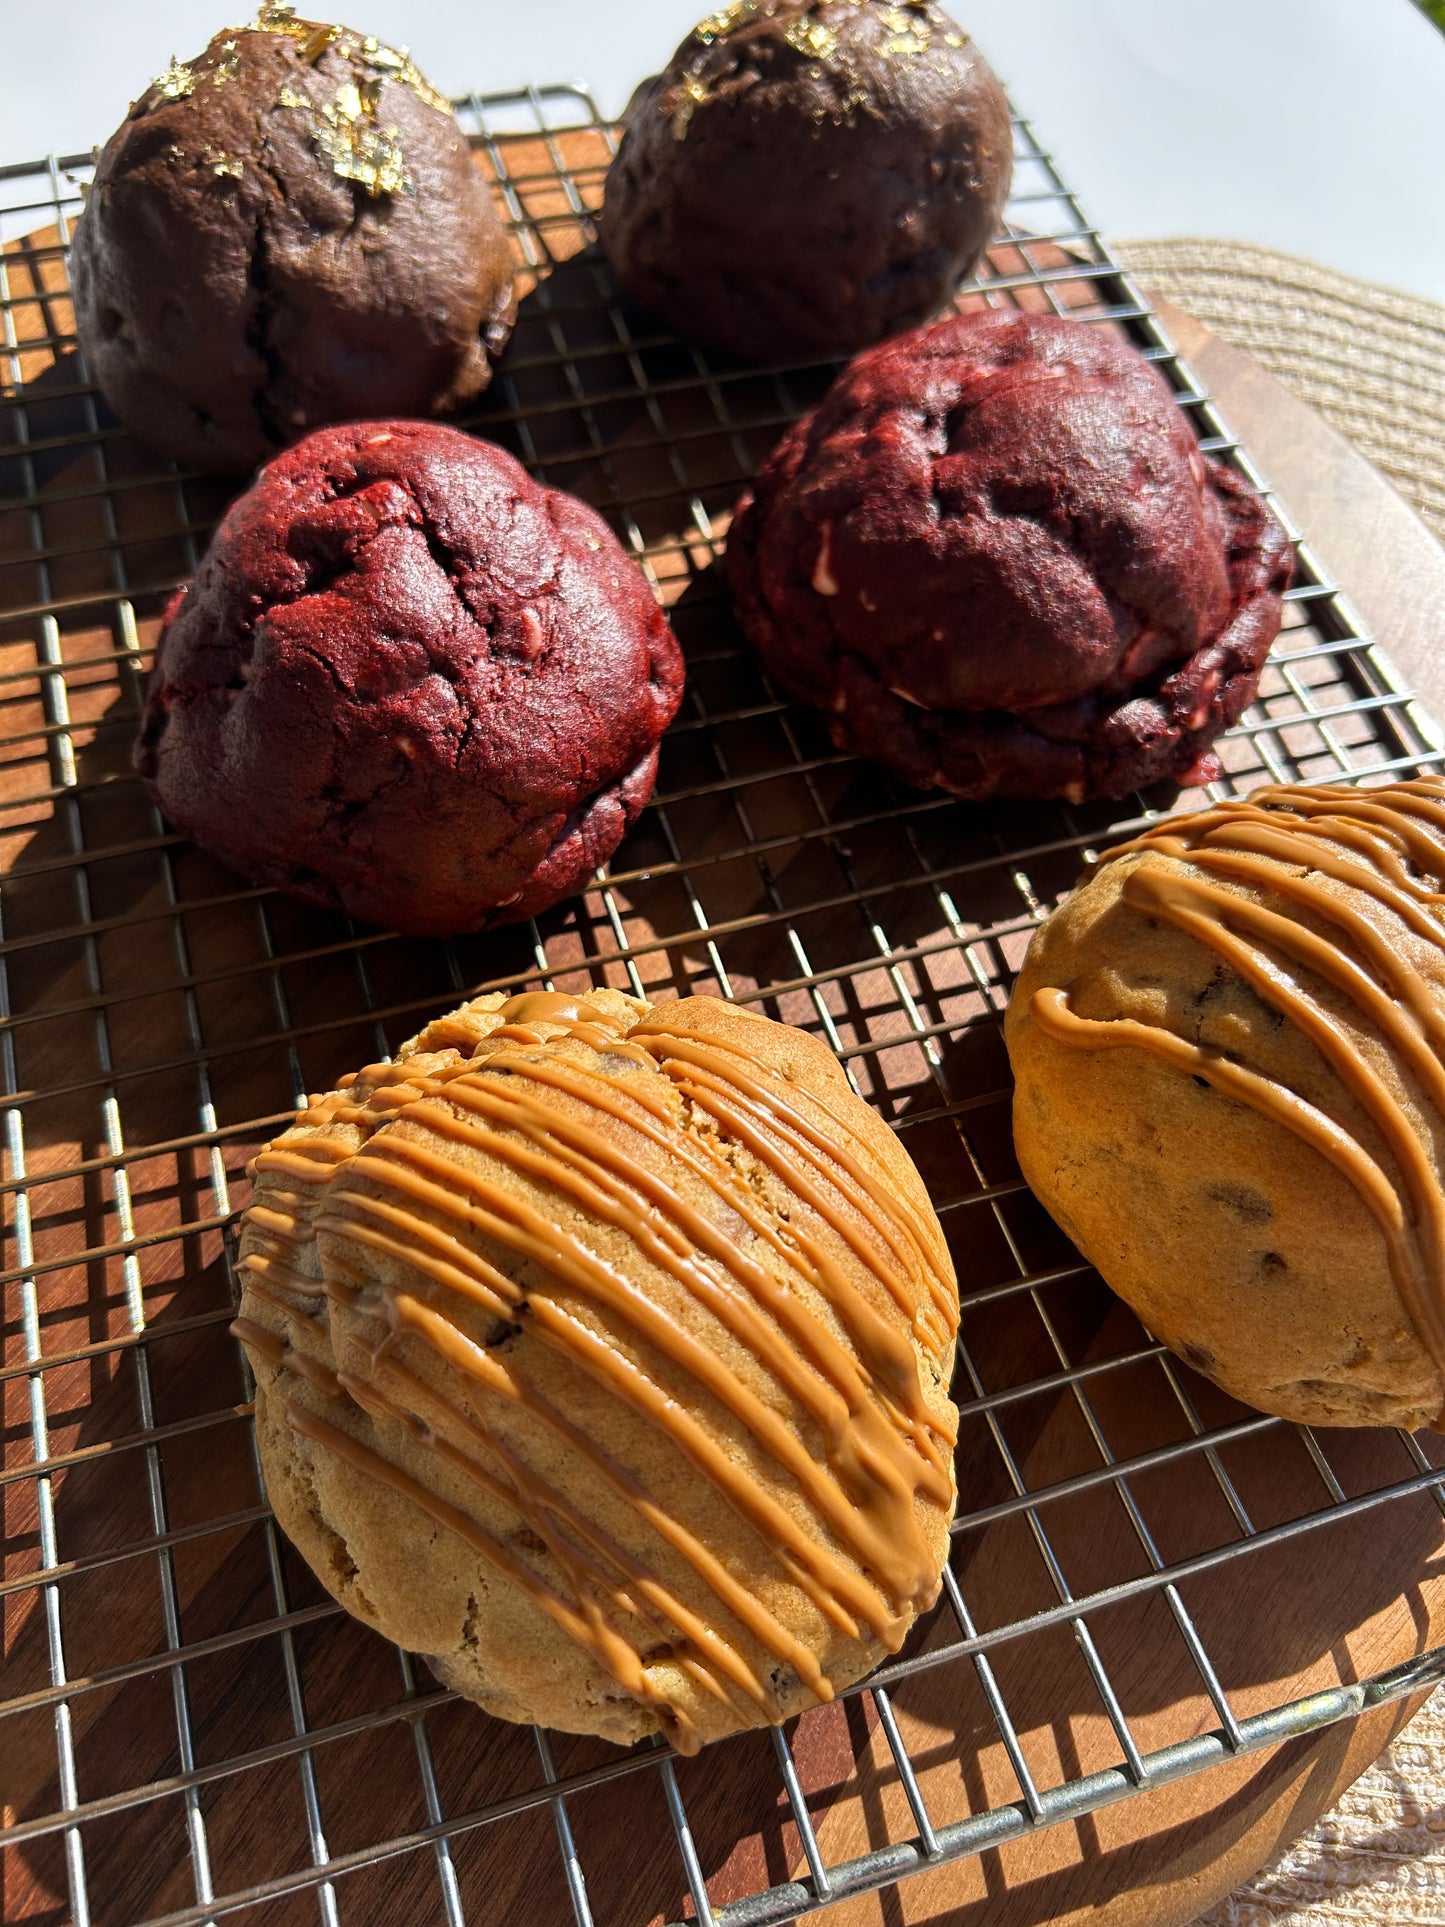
(602,1355)
(997,558)
(410,683)
(285,232)
(804,179)
(1229,1047)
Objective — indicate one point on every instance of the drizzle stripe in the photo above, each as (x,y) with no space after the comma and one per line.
(412,1315)
(435,1181)
(607,1184)
(1276,841)
(829,1583)
(408,1200)
(582,1623)
(831,1159)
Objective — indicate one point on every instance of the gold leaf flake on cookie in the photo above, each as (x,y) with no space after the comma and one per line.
(176,82)
(909,30)
(227,66)
(401,68)
(718,25)
(314,36)
(348,104)
(811,37)
(693,93)
(388,63)
(317,41)
(348,136)
(362,152)
(397,64)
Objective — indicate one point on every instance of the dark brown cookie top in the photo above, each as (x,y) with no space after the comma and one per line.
(284,232)
(410,682)
(806,178)
(997,556)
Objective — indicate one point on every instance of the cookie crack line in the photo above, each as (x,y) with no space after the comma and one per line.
(259,328)
(450,563)
(324,573)
(400,1184)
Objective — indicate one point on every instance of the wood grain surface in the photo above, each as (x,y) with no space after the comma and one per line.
(1371,542)
(1278,1625)
(1159,1860)
(137,967)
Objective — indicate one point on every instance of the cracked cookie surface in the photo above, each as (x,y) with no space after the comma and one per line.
(284,232)
(410,683)
(995,556)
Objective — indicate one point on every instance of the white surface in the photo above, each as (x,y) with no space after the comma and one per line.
(1317,126)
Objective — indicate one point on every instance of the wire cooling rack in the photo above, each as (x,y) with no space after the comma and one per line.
(190,1727)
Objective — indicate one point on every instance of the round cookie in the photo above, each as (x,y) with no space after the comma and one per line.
(284,232)
(802,179)
(997,559)
(602,1356)
(1228,1047)
(410,683)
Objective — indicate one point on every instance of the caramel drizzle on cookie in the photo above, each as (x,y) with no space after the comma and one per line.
(420,1203)
(1387,846)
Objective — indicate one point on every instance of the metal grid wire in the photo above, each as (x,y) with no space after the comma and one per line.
(172,1670)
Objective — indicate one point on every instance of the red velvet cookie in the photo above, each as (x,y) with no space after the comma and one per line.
(998,559)
(411,683)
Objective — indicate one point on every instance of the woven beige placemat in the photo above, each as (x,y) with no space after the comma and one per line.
(1377,1860)
(1370,359)
(1373,362)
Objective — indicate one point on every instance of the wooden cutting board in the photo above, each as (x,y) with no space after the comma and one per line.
(1340,1604)
(1161,1859)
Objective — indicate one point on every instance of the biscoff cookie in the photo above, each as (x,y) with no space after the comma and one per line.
(1229,1048)
(602,1356)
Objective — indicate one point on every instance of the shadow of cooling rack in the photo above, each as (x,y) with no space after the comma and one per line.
(190,1728)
